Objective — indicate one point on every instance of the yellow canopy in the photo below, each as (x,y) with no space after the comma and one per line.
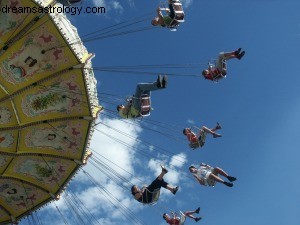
(48,104)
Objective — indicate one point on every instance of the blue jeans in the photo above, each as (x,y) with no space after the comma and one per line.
(143,88)
(172,13)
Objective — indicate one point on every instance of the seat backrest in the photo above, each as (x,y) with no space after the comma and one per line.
(145,105)
(155,196)
(195,145)
(179,14)
(178,10)
(182,218)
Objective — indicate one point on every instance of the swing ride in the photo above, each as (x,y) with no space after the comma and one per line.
(49,104)
(47,108)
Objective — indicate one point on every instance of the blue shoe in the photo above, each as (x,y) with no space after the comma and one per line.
(175,190)
(159,81)
(230,178)
(165,81)
(228,184)
(163,169)
(237,52)
(198,218)
(241,55)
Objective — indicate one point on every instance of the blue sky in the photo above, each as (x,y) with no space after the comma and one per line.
(257,105)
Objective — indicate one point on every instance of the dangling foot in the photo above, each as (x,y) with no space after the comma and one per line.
(228,184)
(198,218)
(159,81)
(175,190)
(165,81)
(215,135)
(197,210)
(237,52)
(218,126)
(163,169)
(241,55)
(230,178)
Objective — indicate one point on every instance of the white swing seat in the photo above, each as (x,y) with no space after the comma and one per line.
(221,75)
(182,218)
(179,14)
(145,105)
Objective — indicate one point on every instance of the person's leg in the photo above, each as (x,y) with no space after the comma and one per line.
(218,170)
(169,187)
(221,62)
(218,126)
(159,181)
(144,88)
(190,214)
(216,178)
(207,130)
(227,55)
(172,13)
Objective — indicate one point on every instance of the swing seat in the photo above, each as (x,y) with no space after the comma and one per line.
(155,196)
(179,15)
(145,105)
(182,218)
(221,74)
(200,142)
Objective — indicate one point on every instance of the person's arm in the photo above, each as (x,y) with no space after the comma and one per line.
(139,194)
(191,136)
(199,180)
(124,111)
(160,15)
(174,215)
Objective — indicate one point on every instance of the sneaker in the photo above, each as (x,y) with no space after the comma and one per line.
(237,52)
(215,135)
(198,218)
(197,210)
(241,55)
(163,169)
(159,81)
(165,81)
(218,126)
(228,184)
(175,190)
(230,178)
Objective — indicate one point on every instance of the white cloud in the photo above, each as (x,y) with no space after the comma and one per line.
(186,3)
(174,166)
(131,3)
(190,121)
(178,160)
(109,5)
(122,159)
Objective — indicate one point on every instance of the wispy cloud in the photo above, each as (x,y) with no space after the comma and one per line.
(122,159)
(186,3)
(110,5)
(190,121)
